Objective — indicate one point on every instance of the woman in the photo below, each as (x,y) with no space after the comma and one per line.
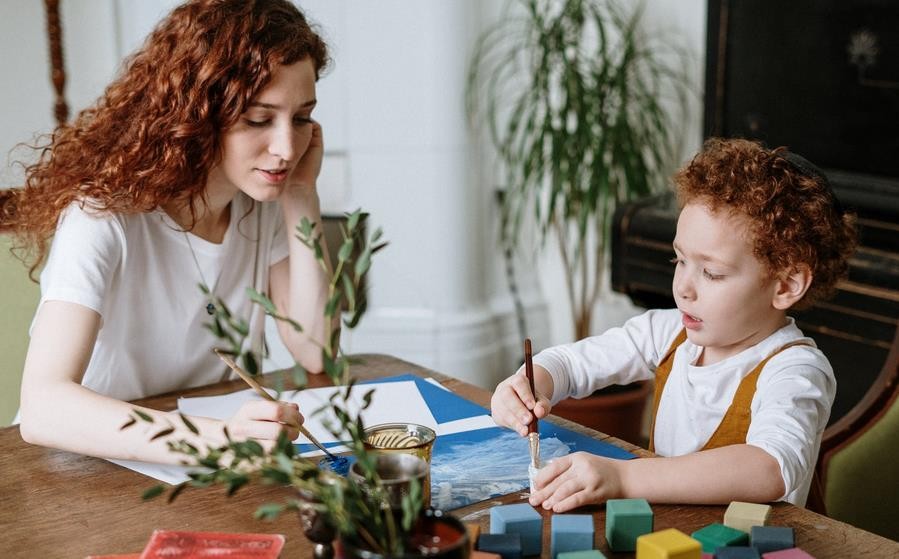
(193,167)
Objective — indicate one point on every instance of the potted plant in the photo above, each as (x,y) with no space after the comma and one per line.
(577,104)
(363,511)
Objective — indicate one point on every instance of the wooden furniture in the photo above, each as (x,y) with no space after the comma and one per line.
(59,504)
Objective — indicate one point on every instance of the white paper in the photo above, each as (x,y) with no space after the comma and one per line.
(392,402)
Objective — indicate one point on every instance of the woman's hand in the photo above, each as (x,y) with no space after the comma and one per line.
(512,404)
(264,420)
(576,480)
(305,174)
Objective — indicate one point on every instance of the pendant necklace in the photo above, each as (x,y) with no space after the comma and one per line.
(210,307)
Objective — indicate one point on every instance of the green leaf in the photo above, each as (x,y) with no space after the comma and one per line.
(346,250)
(187,423)
(163,433)
(263,300)
(143,416)
(269,511)
(250,363)
(153,492)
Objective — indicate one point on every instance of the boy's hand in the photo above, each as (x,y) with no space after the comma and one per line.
(512,403)
(264,420)
(576,480)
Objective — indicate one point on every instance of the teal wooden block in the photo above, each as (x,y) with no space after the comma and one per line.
(586,554)
(626,520)
(772,538)
(571,532)
(519,519)
(717,535)
(737,552)
(507,546)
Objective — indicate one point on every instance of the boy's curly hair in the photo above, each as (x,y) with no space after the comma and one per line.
(794,218)
(154,134)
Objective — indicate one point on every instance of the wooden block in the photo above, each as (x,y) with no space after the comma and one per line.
(668,544)
(520,518)
(714,536)
(743,516)
(772,538)
(794,553)
(737,552)
(626,520)
(585,554)
(507,546)
(571,532)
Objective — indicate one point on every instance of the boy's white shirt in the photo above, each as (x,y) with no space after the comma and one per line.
(792,402)
(138,273)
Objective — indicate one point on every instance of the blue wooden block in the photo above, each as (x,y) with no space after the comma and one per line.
(519,519)
(737,552)
(626,520)
(571,532)
(507,546)
(771,538)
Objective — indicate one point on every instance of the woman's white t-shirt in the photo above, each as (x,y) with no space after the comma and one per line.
(790,409)
(138,272)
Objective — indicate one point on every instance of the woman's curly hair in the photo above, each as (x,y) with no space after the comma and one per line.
(795,220)
(154,134)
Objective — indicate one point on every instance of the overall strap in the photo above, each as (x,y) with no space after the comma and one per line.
(662,372)
(735,424)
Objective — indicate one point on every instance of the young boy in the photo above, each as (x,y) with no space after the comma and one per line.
(742,396)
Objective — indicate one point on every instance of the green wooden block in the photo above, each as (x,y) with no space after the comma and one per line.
(716,535)
(583,554)
(626,520)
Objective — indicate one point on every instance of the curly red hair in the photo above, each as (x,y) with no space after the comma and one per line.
(154,134)
(794,217)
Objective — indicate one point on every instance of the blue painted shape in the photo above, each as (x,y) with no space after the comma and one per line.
(571,532)
(737,552)
(626,520)
(522,519)
(507,546)
(771,538)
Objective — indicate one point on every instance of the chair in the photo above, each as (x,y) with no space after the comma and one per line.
(859,460)
(18,300)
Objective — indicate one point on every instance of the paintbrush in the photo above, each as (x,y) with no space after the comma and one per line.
(533,433)
(248,378)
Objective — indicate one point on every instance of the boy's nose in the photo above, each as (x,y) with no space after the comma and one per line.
(683,289)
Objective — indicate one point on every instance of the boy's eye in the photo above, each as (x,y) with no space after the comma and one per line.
(711,276)
(675,260)
(256,123)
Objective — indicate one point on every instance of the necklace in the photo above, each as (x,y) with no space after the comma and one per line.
(210,307)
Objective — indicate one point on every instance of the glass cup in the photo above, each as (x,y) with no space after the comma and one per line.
(397,472)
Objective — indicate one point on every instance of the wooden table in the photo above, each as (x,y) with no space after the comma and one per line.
(59,504)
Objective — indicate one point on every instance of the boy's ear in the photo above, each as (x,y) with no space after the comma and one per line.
(791,287)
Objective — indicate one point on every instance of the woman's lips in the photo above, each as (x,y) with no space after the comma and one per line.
(273,176)
(691,322)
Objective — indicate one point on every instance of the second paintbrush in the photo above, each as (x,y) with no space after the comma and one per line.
(533,432)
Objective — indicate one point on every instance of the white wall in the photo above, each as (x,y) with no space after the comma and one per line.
(397,145)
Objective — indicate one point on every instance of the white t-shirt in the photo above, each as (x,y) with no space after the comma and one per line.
(138,272)
(790,409)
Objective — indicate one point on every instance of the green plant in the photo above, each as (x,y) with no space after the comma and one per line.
(574,97)
(356,511)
